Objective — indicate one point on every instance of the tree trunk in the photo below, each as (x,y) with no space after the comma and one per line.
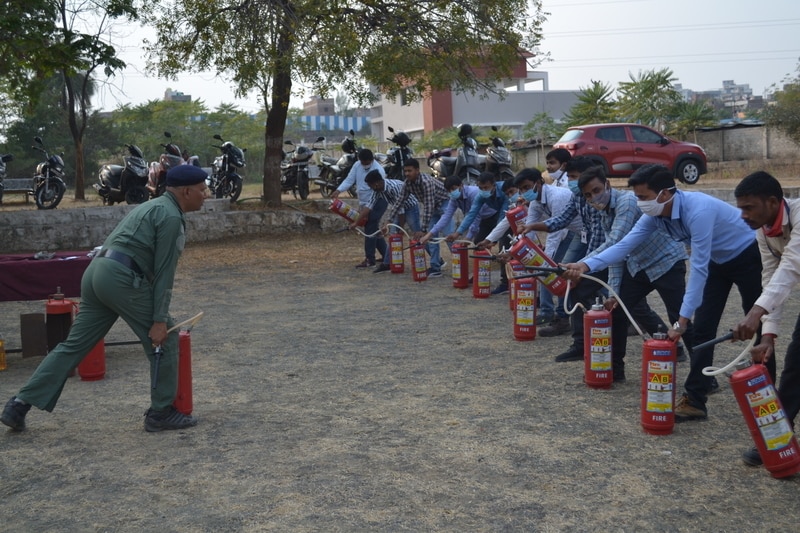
(276,123)
(77,137)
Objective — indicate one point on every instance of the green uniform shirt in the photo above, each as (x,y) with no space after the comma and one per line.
(153,234)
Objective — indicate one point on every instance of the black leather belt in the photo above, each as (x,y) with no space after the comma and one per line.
(122,259)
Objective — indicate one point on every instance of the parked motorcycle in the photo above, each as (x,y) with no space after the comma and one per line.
(157,174)
(467,164)
(397,155)
(334,171)
(126,182)
(48,180)
(224,181)
(498,158)
(5,158)
(294,169)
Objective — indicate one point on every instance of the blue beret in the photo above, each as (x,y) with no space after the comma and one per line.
(183,175)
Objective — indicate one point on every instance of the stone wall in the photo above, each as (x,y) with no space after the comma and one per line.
(83,229)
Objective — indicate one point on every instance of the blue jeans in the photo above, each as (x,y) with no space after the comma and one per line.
(546,306)
(433,248)
(411,217)
(373,220)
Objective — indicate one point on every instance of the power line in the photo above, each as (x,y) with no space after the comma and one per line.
(713,54)
(681,28)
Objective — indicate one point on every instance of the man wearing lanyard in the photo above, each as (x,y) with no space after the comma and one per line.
(723,253)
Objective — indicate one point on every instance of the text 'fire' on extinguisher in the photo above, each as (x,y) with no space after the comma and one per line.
(597,347)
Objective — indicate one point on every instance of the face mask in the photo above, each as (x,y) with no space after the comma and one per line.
(513,198)
(455,194)
(652,207)
(573,186)
(601,200)
(484,194)
(531,195)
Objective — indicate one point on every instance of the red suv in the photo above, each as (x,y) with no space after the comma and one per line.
(622,148)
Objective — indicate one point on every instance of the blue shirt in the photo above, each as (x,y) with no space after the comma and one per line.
(655,256)
(494,203)
(468,195)
(712,228)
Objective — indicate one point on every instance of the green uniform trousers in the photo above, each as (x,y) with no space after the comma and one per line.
(108,290)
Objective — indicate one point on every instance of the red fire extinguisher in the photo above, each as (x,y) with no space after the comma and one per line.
(481,274)
(396,263)
(460,270)
(516,218)
(659,357)
(59,314)
(597,371)
(525,309)
(531,255)
(419,263)
(514,268)
(345,211)
(183,397)
(766,419)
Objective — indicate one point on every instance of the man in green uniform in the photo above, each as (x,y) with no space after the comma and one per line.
(131,277)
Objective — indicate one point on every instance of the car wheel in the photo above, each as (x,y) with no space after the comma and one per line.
(688,172)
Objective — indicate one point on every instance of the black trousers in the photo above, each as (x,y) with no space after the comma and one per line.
(744,271)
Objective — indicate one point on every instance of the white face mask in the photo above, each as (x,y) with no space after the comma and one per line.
(653,207)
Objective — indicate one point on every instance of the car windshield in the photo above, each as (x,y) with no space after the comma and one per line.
(570,135)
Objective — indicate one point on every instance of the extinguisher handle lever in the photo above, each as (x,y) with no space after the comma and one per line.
(557,269)
(714,342)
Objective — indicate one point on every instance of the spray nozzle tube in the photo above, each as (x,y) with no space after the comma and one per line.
(714,342)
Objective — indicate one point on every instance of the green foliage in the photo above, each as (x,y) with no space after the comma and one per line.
(784,114)
(268,47)
(648,98)
(595,105)
(543,128)
(689,116)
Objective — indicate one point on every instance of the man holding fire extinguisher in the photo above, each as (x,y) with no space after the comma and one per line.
(760,198)
(723,253)
(656,264)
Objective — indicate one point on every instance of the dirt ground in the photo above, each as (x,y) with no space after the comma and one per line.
(330,398)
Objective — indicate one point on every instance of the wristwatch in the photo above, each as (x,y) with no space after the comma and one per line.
(677,327)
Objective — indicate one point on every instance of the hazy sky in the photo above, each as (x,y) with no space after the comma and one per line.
(702,41)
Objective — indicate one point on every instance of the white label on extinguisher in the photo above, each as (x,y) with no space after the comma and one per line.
(525,307)
(419,261)
(659,386)
(456,267)
(600,348)
(484,273)
(770,418)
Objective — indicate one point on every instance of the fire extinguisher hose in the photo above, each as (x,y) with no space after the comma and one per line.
(713,370)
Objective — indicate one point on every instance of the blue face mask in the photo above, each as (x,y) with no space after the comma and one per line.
(484,194)
(513,198)
(573,186)
(455,194)
(531,195)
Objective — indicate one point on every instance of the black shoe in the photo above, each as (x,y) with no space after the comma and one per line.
(501,289)
(575,353)
(366,263)
(752,458)
(382,267)
(14,414)
(169,418)
(559,326)
(713,388)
